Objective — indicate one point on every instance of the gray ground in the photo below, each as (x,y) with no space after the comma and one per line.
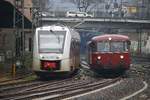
(134,82)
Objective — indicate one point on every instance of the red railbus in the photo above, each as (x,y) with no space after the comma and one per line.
(109,52)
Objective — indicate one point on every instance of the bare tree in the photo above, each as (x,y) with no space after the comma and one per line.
(85,5)
(82,5)
(35,3)
(44,5)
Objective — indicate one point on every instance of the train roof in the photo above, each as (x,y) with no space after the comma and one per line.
(53,27)
(114,37)
(59,27)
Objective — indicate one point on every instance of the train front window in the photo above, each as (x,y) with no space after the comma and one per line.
(113,46)
(118,46)
(51,41)
(103,47)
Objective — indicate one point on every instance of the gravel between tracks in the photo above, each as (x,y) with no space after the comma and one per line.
(126,87)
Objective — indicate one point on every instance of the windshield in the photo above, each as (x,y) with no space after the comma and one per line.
(118,46)
(51,41)
(112,46)
(103,47)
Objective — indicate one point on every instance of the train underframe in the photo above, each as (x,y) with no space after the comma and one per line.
(109,69)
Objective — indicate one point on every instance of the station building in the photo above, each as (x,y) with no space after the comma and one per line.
(15,31)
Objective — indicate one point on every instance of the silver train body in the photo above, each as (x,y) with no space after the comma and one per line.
(56,50)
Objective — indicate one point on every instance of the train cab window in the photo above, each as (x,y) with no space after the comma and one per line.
(73,44)
(51,41)
(93,47)
(119,46)
(103,47)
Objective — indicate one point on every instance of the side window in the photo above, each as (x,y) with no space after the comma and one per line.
(93,47)
(73,44)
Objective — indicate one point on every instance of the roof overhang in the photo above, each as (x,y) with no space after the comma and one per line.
(7,16)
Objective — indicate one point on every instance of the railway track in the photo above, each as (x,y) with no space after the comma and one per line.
(82,89)
(16,80)
(54,89)
(58,89)
(140,67)
(141,62)
(13,89)
(141,70)
(19,86)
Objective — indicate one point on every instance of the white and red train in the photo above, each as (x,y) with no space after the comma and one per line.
(109,52)
(56,50)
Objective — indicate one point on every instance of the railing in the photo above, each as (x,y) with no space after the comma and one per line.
(106,15)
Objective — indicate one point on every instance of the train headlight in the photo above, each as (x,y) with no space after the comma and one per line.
(109,38)
(99,57)
(121,56)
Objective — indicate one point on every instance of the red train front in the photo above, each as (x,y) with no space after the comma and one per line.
(109,52)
